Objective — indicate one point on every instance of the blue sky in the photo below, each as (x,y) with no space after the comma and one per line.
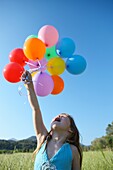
(88,97)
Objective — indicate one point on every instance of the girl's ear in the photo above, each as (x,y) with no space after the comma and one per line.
(70,131)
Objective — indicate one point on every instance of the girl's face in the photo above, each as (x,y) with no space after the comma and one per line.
(61,122)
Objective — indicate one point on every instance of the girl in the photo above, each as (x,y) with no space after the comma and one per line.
(58,149)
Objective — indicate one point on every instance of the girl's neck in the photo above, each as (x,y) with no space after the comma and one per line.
(58,137)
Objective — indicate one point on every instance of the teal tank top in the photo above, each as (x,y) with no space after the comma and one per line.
(62,160)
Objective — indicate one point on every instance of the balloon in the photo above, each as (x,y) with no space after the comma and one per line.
(50,53)
(33,73)
(49,35)
(34,49)
(12,72)
(65,47)
(39,65)
(56,66)
(43,84)
(17,55)
(76,64)
(58,84)
(31,36)
(33,64)
(43,63)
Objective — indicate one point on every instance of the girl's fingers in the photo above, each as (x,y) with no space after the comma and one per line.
(26,77)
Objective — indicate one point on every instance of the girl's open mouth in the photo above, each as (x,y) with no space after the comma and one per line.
(57,119)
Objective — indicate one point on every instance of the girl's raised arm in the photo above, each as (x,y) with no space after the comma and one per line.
(39,126)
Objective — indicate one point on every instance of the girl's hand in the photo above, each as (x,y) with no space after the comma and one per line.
(26,77)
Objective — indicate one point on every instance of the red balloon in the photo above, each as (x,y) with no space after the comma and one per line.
(12,72)
(17,55)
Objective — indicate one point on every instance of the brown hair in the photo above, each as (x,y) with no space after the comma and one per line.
(74,138)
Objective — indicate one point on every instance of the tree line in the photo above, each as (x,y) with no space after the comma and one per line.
(105,142)
(29,145)
(11,146)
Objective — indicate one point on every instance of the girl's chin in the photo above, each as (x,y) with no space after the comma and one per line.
(54,125)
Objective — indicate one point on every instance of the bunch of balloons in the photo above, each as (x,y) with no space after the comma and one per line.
(47,57)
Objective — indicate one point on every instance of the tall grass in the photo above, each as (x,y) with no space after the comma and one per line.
(92,160)
(17,161)
(98,160)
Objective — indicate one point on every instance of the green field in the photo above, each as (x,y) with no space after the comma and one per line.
(91,161)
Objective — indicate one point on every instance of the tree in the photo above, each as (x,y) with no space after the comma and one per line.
(105,141)
(109,140)
(109,129)
(99,143)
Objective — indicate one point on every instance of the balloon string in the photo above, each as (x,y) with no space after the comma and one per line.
(20,91)
(23,94)
(30,63)
(39,63)
(39,67)
(34,69)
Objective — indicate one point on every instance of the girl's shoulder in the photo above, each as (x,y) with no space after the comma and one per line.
(74,150)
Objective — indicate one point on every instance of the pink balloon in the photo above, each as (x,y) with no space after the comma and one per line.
(40,65)
(49,35)
(43,84)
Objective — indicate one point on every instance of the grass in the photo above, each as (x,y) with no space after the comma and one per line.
(98,160)
(92,160)
(17,161)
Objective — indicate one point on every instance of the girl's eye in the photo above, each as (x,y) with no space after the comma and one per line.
(62,117)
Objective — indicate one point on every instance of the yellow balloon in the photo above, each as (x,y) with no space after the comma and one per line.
(56,66)
(33,73)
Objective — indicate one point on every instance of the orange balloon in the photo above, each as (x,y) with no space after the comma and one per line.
(34,49)
(58,84)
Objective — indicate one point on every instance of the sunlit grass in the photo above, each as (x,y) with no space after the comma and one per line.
(98,160)
(17,161)
(92,160)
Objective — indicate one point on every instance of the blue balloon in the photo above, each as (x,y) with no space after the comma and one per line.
(65,47)
(76,64)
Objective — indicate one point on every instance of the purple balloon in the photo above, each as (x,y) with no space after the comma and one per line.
(43,84)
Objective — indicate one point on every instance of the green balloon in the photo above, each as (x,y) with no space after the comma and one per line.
(31,36)
(50,53)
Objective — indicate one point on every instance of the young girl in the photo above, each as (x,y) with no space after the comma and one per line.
(58,149)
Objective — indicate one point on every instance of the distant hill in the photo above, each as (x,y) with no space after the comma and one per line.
(24,145)
(12,139)
(32,138)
